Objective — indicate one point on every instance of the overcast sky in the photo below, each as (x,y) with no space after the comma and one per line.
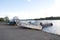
(27,9)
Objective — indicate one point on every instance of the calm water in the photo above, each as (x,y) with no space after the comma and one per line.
(55,29)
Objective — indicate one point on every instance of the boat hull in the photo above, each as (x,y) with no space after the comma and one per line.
(38,27)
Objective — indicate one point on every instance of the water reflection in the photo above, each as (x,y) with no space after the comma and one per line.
(55,28)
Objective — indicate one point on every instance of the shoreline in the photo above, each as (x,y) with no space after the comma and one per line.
(11,32)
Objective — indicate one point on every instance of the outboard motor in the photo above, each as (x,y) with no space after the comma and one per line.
(46,24)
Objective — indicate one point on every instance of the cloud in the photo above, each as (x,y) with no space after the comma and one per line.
(28,0)
(54,10)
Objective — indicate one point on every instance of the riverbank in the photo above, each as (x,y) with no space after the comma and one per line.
(13,33)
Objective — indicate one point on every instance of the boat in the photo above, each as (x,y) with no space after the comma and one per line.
(28,24)
(31,24)
(11,22)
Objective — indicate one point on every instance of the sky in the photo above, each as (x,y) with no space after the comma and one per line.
(29,9)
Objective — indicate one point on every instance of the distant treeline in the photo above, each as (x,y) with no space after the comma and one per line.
(1,19)
(48,18)
(4,19)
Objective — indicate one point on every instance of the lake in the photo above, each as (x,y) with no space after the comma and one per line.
(55,29)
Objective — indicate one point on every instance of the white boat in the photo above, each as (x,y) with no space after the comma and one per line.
(28,24)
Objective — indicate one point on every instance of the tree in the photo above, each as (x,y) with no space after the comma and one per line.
(1,19)
(6,19)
